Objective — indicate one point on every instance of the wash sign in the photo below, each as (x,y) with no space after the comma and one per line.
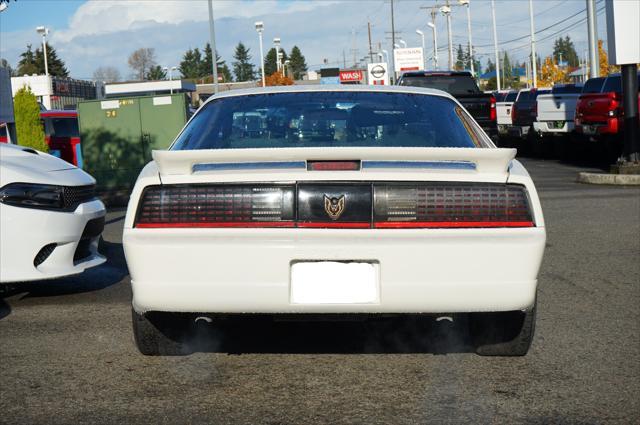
(408,59)
(378,74)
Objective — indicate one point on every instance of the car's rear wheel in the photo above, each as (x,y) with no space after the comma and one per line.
(503,333)
(160,334)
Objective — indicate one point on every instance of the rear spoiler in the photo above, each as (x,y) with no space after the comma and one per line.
(485,160)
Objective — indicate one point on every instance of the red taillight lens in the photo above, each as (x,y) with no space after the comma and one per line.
(451,205)
(514,114)
(333,165)
(492,113)
(216,206)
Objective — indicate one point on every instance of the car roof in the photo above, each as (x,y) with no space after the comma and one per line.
(427,73)
(58,113)
(331,88)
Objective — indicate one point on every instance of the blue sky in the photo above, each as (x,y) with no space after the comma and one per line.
(89,34)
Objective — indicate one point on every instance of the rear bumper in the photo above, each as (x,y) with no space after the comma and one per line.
(248,270)
(518,131)
(547,127)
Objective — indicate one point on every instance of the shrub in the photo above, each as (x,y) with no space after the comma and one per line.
(28,126)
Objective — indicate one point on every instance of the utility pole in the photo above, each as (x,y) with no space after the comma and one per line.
(393,45)
(214,58)
(370,48)
(446,10)
(534,65)
(495,43)
(471,64)
(593,40)
(353,48)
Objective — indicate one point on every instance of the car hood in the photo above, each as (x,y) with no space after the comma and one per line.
(22,164)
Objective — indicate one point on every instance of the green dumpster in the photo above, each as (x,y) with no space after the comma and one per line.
(118,135)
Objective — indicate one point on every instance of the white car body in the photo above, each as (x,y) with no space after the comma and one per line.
(250,270)
(25,231)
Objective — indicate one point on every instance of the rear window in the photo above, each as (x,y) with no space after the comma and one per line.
(455,85)
(615,84)
(3,131)
(329,119)
(62,127)
(524,96)
(593,85)
(570,88)
(511,97)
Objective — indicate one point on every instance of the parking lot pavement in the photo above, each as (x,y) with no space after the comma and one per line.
(67,353)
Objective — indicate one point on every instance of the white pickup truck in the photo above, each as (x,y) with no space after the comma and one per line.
(503,110)
(556,110)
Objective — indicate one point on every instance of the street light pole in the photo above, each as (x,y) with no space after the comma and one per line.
(435,44)
(592,32)
(463,3)
(534,64)
(276,43)
(424,54)
(446,10)
(260,29)
(495,43)
(214,56)
(44,31)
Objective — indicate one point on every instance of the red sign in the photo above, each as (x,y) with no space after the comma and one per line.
(351,76)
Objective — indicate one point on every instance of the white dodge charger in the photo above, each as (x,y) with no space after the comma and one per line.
(345,199)
(50,217)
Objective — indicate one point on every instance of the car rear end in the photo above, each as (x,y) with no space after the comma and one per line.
(393,224)
(556,110)
(503,111)
(62,135)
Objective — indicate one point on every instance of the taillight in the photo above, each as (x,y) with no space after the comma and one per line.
(492,113)
(451,205)
(534,110)
(514,114)
(216,206)
(333,165)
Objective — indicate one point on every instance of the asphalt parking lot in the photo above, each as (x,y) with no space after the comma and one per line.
(67,353)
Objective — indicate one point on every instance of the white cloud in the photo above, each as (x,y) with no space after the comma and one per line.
(107,16)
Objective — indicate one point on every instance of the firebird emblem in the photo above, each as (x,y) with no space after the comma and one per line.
(334,206)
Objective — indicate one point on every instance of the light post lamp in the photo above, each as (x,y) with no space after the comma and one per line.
(396,46)
(260,29)
(170,70)
(421,34)
(402,43)
(435,44)
(386,56)
(276,43)
(466,3)
(44,32)
(446,11)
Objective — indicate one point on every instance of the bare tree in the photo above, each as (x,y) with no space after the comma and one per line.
(141,61)
(107,74)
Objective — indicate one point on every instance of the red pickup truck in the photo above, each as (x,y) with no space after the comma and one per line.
(601,113)
(62,135)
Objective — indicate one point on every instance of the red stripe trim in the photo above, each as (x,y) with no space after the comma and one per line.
(335,225)
(226,224)
(450,224)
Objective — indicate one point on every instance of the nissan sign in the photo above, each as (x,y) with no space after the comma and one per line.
(378,74)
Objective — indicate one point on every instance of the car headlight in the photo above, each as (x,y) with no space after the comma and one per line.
(31,195)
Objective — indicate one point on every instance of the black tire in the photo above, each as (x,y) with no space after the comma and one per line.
(503,333)
(160,334)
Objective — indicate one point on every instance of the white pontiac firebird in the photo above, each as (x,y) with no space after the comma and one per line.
(50,217)
(344,199)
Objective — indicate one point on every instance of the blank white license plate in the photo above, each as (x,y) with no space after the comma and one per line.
(333,282)
(588,129)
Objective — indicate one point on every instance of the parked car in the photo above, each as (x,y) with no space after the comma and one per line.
(50,218)
(556,110)
(524,111)
(462,86)
(406,207)
(600,113)
(62,135)
(503,111)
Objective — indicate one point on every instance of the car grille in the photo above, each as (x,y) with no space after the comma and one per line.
(75,195)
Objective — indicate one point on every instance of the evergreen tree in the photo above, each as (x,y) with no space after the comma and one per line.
(242,68)
(206,66)
(27,114)
(156,73)
(460,59)
(563,47)
(270,61)
(54,63)
(490,66)
(297,62)
(27,63)
(191,64)
(507,70)
(225,72)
